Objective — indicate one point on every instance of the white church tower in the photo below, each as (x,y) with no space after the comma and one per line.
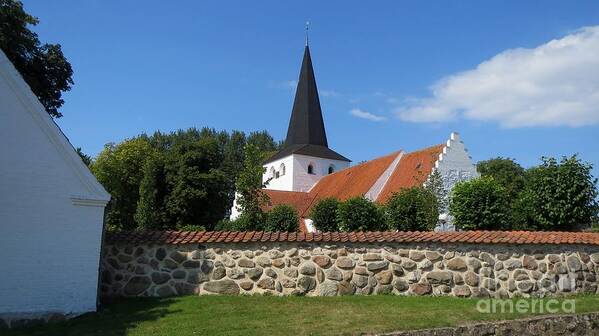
(305,156)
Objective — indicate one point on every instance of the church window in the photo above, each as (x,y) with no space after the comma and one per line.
(311,169)
(282,169)
(331,169)
(271,173)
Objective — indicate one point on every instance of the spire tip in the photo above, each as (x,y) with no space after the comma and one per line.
(307,28)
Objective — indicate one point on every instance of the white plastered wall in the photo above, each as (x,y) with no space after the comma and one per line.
(296,177)
(282,168)
(455,164)
(51,210)
(302,181)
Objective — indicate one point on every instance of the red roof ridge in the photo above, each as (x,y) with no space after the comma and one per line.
(467,237)
(427,148)
(352,168)
(410,165)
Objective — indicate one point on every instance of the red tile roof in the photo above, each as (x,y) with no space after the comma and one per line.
(353,181)
(467,237)
(300,201)
(413,169)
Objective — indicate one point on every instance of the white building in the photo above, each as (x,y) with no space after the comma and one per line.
(306,170)
(51,212)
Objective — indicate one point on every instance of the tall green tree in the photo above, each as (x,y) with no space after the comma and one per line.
(480,204)
(233,152)
(180,180)
(197,196)
(151,211)
(43,66)
(412,209)
(120,170)
(435,186)
(249,185)
(84,157)
(559,195)
(506,172)
(263,141)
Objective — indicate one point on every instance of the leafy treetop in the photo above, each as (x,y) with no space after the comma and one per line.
(43,66)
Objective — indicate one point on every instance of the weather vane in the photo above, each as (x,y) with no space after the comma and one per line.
(307,28)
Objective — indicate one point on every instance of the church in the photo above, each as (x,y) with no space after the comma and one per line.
(306,170)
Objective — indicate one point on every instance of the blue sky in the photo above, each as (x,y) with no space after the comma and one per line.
(392,74)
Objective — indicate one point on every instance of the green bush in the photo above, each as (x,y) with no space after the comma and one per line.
(480,204)
(228,225)
(412,209)
(244,222)
(191,227)
(360,214)
(282,218)
(324,215)
(558,195)
(507,172)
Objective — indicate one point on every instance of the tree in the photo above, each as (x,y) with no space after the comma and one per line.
(412,209)
(282,218)
(249,185)
(480,204)
(324,215)
(120,170)
(360,214)
(233,151)
(263,141)
(559,195)
(153,190)
(435,186)
(43,66)
(84,157)
(197,196)
(507,172)
(180,180)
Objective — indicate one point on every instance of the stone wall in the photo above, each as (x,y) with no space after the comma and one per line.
(287,268)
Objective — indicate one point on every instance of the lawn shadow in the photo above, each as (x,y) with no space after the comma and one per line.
(114,318)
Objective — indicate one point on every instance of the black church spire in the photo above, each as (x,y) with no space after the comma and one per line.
(306,134)
(306,125)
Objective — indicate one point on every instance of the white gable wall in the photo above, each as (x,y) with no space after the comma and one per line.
(296,177)
(285,180)
(454,164)
(51,209)
(302,181)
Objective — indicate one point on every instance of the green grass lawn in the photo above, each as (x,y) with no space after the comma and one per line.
(259,315)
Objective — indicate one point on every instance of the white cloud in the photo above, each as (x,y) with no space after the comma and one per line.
(366,115)
(290,84)
(329,93)
(554,84)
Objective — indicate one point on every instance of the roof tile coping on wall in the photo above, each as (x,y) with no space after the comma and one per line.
(468,237)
